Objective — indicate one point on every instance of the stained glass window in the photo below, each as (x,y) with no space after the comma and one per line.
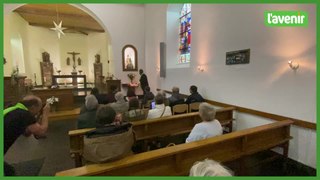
(185,34)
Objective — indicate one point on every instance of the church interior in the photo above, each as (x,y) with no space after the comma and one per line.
(261,80)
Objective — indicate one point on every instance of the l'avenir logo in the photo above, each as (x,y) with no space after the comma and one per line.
(286,18)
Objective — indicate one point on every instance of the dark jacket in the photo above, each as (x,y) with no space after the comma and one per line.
(144,81)
(194,97)
(175,99)
(147,96)
(86,119)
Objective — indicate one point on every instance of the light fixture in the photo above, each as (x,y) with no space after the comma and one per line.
(200,68)
(158,69)
(293,64)
(58,28)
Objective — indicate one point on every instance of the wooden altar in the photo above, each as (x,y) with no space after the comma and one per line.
(115,83)
(74,80)
(65,96)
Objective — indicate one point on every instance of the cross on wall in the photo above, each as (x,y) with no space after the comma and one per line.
(74,60)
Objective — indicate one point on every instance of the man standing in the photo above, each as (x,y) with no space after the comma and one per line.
(21,119)
(143,81)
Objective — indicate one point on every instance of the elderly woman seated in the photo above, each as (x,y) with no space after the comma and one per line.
(209,126)
(160,109)
(209,167)
(109,141)
(120,106)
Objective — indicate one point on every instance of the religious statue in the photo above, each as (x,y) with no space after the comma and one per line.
(46,57)
(129,64)
(97,58)
(74,66)
(79,61)
(68,61)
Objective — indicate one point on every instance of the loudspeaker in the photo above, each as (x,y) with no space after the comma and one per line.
(162,59)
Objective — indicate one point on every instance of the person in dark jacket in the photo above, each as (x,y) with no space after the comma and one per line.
(195,96)
(143,81)
(102,99)
(87,115)
(147,96)
(176,97)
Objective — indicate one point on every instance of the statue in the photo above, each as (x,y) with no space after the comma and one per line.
(46,57)
(97,58)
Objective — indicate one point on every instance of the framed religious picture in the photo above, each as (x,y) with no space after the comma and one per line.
(129,58)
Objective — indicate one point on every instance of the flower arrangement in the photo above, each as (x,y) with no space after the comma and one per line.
(131,76)
(52,100)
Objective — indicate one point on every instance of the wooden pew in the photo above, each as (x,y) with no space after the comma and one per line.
(177,160)
(63,115)
(148,129)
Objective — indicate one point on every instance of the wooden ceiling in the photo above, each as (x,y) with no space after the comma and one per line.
(74,19)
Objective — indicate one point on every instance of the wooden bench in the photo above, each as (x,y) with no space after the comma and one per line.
(177,160)
(148,129)
(64,115)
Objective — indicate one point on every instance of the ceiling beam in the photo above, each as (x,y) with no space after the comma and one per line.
(75,31)
(48,12)
(69,27)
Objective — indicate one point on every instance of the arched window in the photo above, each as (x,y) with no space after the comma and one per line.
(185,34)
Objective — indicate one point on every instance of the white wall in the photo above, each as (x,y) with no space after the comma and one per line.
(125,24)
(98,44)
(155,25)
(266,83)
(14,30)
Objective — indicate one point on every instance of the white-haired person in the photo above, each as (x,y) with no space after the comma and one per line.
(209,127)
(86,119)
(120,106)
(209,167)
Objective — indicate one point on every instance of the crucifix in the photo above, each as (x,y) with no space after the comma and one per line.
(74,60)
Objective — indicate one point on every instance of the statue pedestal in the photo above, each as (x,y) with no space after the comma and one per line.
(74,79)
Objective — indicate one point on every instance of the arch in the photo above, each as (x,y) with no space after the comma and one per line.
(9,8)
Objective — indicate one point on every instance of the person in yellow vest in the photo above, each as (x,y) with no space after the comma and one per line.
(21,119)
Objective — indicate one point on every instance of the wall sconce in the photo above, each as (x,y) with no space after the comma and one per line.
(158,69)
(293,64)
(200,68)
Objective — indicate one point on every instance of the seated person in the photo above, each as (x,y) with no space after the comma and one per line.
(110,97)
(108,141)
(120,106)
(165,99)
(175,98)
(131,93)
(134,112)
(195,96)
(87,115)
(100,97)
(160,109)
(209,167)
(147,96)
(209,126)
